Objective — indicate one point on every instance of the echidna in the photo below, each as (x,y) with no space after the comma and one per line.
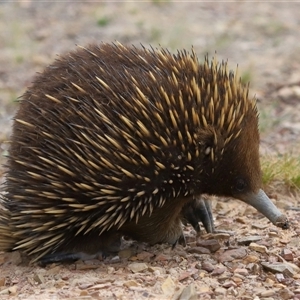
(113,140)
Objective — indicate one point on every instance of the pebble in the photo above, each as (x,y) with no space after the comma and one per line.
(213,245)
(286,294)
(218,271)
(38,278)
(232,254)
(237,280)
(184,275)
(188,293)
(110,270)
(137,267)
(229,283)
(207,266)
(267,293)
(162,257)
(258,248)
(157,270)
(246,241)
(168,286)
(144,256)
(278,268)
(287,254)
(130,283)
(2,281)
(251,259)
(12,290)
(243,272)
(199,250)
(220,291)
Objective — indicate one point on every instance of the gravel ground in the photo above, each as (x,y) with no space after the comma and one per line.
(258,261)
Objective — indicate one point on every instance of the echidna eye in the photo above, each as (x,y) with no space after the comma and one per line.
(240,184)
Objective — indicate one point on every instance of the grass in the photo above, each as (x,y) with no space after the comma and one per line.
(282,170)
(103,21)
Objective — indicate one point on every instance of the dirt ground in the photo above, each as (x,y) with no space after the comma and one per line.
(258,260)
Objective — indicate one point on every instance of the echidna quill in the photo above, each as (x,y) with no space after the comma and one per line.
(113,140)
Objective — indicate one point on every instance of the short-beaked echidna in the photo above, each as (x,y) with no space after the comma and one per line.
(113,140)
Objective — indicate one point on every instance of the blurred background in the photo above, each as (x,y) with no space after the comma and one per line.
(262,38)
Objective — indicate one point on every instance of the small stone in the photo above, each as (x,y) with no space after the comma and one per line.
(137,267)
(199,250)
(53,271)
(207,266)
(243,272)
(168,286)
(267,293)
(237,280)
(110,270)
(241,220)
(229,283)
(246,241)
(101,286)
(84,293)
(218,271)
(273,234)
(285,294)
(162,257)
(223,235)
(84,286)
(130,283)
(183,276)
(157,270)
(255,268)
(144,256)
(38,278)
(203,289)
(279,277)
(220,291)
(287,254)
(232,254)
(115,259)
(269,282)
(60,284)
(258,248)
(284,241)
(188,293)
(212,245)
(251,259)
(2,281)
(12,290)
(260,225)
(283,268)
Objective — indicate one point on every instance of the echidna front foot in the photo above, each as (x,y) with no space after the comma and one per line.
(199,210)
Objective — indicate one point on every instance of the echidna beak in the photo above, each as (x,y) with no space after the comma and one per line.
(263,204)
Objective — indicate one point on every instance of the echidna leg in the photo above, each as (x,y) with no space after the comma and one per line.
(199,210)
(65,258)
